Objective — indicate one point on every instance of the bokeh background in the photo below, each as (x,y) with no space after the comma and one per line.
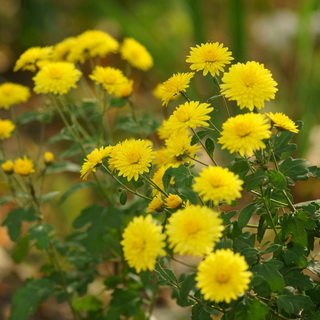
(282,34)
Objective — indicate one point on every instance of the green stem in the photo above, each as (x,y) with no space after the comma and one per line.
(196,160)
(13,118)
(224,100)
(154,185)
(183,263)
(272,200)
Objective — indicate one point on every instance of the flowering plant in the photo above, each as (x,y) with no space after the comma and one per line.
(164,195)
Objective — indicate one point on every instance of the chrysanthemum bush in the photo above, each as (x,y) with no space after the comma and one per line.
(163,194)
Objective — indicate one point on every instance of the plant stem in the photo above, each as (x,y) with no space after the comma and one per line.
(155,185)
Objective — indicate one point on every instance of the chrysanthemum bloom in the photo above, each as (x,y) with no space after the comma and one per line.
(12,93)
(142,243)
(216,184)
(23,166)
(57,78)
(124,89)
(173,201)
(156,204)
(93,159)
(92,43)
(244,133)
(33,59)
(48,157)
(110,78)
(7,166)
(194,230)
(209,57)
(283,122)
(157,92)
(173,86)
(132,158)
(62,49)
(249,84)
(157,179)
(223,276)
(136,54)
(165,130)
(191,114)
(6,128)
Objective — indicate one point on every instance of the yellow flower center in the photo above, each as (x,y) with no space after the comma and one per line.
(133,158)
(222,277)
(191,228)
(243,129)
(55,73)
(182,115)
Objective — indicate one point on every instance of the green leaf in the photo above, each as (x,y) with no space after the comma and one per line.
(257,310)
(295,278)
(21,249)
(240,167)
(41,234)
(294,303)
(245,214)
(75,187)
(186,286)
(201,135)
(48,196)
(281,143)
(63,166)
(123,197)
(87,303)
(199,313)
(295,256)
(253,180)
(182,177)
(296,169)
(272,248)
(277,179)
(64,134)
(209,145)
(15,218)
(26,299)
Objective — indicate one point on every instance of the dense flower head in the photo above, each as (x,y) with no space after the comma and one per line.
(132,158)
(249,84)
(173,201)
(194,230)
(93,159)
(136,54)
(12,93)
(179,82)
(223,276)
(57,78)
(124,89)
(6,128)
(283,122)
(217,184)
(7,166)
(48,157)
(209,57)
(33,59)
(244,133)
(156,204)
(142,243)
(62,49)
(157,92)
(23,166)
(92,43)
(191,114)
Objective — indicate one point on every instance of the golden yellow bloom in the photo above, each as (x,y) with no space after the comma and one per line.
(156,204)
(157,179)
(142,243)
(132,158)
(62,49)
(244,133)
(191,114)
(33,59)
(7,166)
(136,54)
(165,130)
(173,201)
(124,90)
(249,84)
(157,92)
(6,128)
(223,276)
(23,166)
(93,160)
(92,43)
(283,122)
(194,230)
(209,57)
(48,157)
(217,184)
(57,78)
(174,85)
(12,93)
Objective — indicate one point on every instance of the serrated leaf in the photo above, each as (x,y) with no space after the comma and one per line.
(277,179)
(272,248)
(295,278)
(240,167)
(21,250)
(296,169)
(253,180)
(186,285)
(295,256)
(41,234)
(199,313)
(245,214)
(294,303)
(201,135)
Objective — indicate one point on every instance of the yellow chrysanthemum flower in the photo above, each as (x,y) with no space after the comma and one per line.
(48,157)
(6,128)
(223,276)
(124,89)
(7,166)
(93,159)
(157,179)
(249,84)
(209,57)
(142,243)
(92,43)
(57,78)
(244,133)
(62,49)
(33,59)
(194,230)
(283,122)
(12,93)
(157,92)
(136,54)
(173,201)
(156,204)
(191,114)
(132,158)
(217,184)
(23,166)
(174,85)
